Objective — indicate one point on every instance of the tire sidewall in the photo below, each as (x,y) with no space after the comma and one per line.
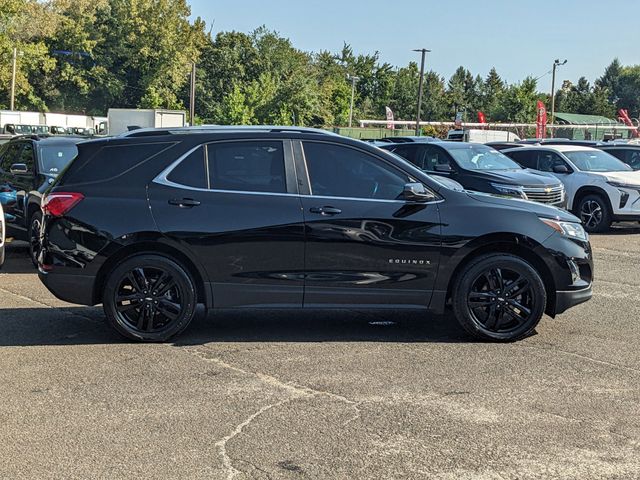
(605,223)
(470,274)
(33,254)
(186,286)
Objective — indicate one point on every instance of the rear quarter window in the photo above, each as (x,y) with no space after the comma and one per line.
(110,161)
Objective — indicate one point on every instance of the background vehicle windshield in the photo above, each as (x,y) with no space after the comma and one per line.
(479,157)
(54,158)
(596,161)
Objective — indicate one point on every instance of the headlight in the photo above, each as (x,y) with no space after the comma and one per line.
(510,190)
(624,185)
(568,229)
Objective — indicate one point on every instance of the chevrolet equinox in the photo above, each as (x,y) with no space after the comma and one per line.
(155,222)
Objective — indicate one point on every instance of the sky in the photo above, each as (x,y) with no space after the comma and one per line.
(517,37)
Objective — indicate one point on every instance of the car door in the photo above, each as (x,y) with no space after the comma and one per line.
(365,244)
(234,206)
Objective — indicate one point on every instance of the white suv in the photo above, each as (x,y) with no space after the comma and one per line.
(600,188)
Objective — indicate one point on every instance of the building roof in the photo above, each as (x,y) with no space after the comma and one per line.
(579,119)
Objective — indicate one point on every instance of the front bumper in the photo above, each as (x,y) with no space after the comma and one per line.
(567,299)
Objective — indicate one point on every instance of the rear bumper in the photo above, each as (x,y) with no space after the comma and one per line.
(69,288)
(567,299)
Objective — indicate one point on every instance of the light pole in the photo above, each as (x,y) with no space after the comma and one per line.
(13,78)
(192,95)
(353,79)
(420,85)
(557,63)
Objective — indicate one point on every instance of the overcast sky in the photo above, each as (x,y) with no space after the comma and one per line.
(518,37)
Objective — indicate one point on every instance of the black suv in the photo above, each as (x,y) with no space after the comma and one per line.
(28,165)
(483,169)
(153,223)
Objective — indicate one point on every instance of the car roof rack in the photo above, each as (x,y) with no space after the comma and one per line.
(151,132)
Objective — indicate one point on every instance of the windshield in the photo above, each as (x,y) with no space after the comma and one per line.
(596,161)
(54,158)
(480,157)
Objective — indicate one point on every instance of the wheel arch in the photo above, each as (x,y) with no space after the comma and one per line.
(515,246)
(155,248)
(589,190)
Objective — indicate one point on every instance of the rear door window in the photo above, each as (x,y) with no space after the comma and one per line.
(191,172)
(526,158)
(249,166)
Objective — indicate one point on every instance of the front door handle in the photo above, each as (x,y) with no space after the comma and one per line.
(184,202)
(327,211)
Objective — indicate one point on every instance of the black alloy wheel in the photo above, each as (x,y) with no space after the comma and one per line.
(499,297)
(595,214)
(149,298)
(35,224)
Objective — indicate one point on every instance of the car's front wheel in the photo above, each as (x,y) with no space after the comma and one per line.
(595,213)
(499,297)
(149,298)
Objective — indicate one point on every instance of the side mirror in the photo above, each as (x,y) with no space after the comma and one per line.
(560,169)
(19,169)
(444,168)
(416,192)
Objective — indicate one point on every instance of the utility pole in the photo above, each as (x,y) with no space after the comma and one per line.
(420,85)
(192,95)
(557,63)
(13,78)
(353,79)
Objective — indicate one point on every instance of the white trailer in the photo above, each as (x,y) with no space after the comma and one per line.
(481,136)
(121,120)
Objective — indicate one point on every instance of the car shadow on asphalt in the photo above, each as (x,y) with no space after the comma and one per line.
(86,326)
(17,258)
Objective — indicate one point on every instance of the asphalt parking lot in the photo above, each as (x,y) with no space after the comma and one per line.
(322,395)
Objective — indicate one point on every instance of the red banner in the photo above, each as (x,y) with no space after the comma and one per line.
(541,121)
(482,118)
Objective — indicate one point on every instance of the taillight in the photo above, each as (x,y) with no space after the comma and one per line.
(58,204)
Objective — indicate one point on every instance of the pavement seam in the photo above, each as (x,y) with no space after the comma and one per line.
(296,391)
(583,357)
(42,304)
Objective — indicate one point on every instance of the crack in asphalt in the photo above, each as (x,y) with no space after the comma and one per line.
(296,391)
(583,357)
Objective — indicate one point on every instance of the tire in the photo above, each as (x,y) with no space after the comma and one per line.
(33,235)
(595,213)
(481,306)
(149,298)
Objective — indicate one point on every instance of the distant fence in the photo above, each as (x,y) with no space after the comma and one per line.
(601,131)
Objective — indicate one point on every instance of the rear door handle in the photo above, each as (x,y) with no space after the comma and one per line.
(327,211)
(184,202)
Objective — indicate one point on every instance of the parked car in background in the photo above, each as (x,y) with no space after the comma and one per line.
(600,188)
(503,145)
(410,139)
(481,168)
(28,165)
(2,235)
(154,223)
(627,152)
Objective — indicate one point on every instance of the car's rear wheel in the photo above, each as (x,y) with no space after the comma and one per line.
(499,297)
(595,213)
(149,298)
(34,237)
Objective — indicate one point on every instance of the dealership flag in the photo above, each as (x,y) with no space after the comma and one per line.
(623,116)
(481,118)
(389,118)
(541,121)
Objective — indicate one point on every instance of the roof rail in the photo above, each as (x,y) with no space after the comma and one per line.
(150,132)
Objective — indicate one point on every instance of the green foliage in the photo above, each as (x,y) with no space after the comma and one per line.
(85,56)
